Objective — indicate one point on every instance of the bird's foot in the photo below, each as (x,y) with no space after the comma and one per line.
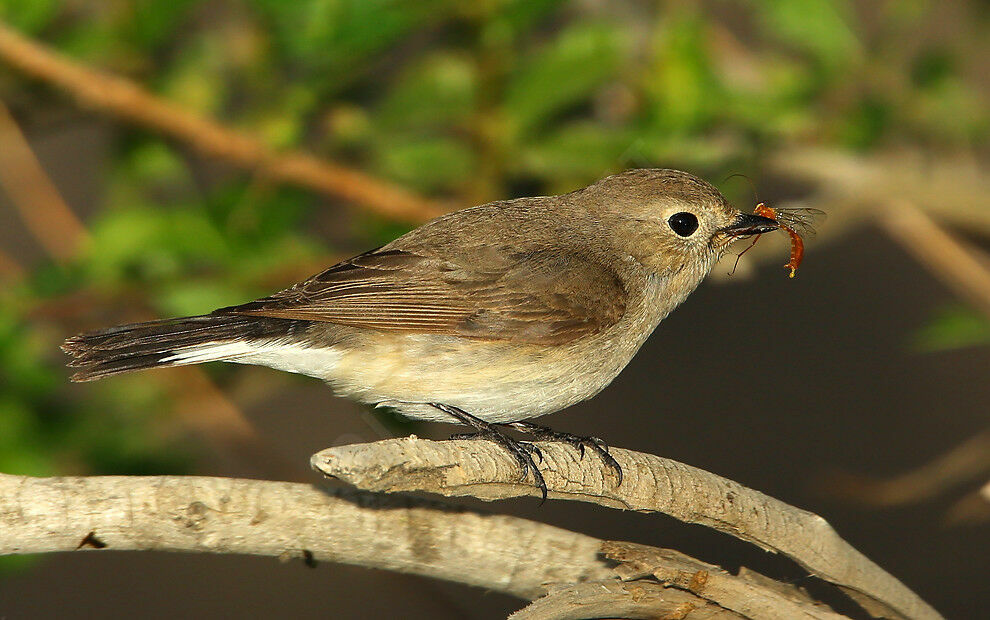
(580,442)
(523,451)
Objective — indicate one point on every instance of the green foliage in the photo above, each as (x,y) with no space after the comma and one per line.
(953,327)
(563,73)
(29,17)
(819,28)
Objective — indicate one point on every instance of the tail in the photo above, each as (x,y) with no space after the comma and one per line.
(172,342)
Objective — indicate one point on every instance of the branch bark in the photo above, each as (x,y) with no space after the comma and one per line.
(750,594)
(617,599)
(291,520)
(575,574)
(650,484)
(128,101)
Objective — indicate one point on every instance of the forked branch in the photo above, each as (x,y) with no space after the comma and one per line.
(571,573)
(651,484)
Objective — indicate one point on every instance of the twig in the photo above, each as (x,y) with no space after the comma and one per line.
(33,194)
(651,484)
(10,269)
(939,251)
(205,408)
(971,509)
(128,101)
(968,461)
(617,599)
(750,594)
(952,188)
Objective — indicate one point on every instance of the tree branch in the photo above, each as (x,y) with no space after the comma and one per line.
(617,599)
(130,102)
(651,484)
(290,520)
(34,195)
(938,250)
(750,594)
(507,554)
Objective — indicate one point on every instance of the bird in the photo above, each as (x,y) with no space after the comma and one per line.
(488,317)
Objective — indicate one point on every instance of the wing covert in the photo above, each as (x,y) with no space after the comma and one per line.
(547,297)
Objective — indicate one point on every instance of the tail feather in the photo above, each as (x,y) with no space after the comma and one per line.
(171,342)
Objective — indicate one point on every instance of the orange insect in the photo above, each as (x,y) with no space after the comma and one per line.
(797,243)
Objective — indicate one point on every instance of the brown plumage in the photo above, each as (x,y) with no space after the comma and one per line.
(535,297)
(494,314)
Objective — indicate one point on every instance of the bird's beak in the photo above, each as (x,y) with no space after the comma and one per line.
(747,224)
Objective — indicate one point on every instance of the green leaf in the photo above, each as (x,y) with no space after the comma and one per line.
(437,92)
(566,72)
(684,94)
(29,17)
(153,21)
(819,27)
(334,39)
(581,151)
(150,243)
(426,163)
(954,327)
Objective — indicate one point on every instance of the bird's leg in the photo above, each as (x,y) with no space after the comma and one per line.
(523,451)
(546,434)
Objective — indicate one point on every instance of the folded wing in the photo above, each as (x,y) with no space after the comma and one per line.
(541,297)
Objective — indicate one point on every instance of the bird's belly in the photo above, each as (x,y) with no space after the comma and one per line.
(495,381)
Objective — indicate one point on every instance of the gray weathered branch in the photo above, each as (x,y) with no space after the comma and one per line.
(290,520)
(572,573)
(617,599)
(651,484)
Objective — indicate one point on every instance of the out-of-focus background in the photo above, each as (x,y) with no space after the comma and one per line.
(166,157)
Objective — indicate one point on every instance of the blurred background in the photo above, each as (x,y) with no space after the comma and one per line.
(166,157)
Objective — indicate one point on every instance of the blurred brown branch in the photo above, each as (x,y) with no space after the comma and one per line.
(123,98)
(651,484)
(33,194)
(913,198)
(938,250)
(964,463)
(10,269)
(953,189)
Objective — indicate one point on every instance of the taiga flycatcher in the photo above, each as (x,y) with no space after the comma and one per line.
(488,316)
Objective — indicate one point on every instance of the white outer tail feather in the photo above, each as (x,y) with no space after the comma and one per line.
(281,355)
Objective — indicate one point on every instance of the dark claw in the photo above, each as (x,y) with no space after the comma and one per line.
(533,449)
(523,451)
(579,442)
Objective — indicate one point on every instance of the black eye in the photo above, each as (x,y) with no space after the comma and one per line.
(684,223)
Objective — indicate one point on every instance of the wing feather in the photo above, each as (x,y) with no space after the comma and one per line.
(541,297)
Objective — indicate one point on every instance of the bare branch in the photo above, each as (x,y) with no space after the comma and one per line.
(33,194)
(507,554)
(288,520)
(965,463)
(651,484)
(10,269)
(750,594)
(951,188)
(130,102)
(939,251)
(616,599)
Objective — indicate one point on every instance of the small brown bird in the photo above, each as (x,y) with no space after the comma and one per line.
(488,316)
